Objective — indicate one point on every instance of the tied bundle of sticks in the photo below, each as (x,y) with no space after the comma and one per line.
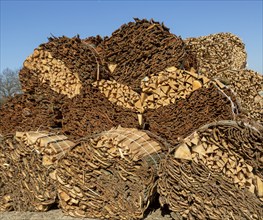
(31,156)
(91,112)
(31,112)
(66,65)
(159,89)
(205,105)
(217,52)
(226,156)
(140,48)
(109,176)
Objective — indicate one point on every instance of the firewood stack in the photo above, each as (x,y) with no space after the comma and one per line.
(141,48)
(223,153)
(111,175)
(66,64)
(180,119)
(217,52)
(30,157)
(25,112)
(91,112)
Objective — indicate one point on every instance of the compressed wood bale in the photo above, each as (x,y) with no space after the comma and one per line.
(31,157)
(232,148)
(91,112)
(66,64)
(140,48)
(248,86)
(217,52)
(192,191)
(178,120)
(110,176)
(31,112)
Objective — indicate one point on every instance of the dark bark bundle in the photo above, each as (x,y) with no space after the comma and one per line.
(30,158)
(176,121)
(109,176)
(25,112)
(91,112)
(67,65)
(217,52)
(192,191)
(143,47)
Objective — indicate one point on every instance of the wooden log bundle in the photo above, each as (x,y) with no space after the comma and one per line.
(248,86)
(140,48)
(192,191)
(65,64)
(91,112)
(111,175)
(217,52)
(215,171)
(31,156)
(180,119)
(31,112)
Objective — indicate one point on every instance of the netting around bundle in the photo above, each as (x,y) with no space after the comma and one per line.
(112,175)
(30,157)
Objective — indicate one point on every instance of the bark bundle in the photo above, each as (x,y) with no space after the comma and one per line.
(30,158)
(112,175)
(141,48)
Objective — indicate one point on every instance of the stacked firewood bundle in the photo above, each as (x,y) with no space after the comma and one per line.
(65,64)
(111,175)
(180,119)
(25,112)
(141,48)
(30,157)
(217,52)
(223,56)
(216,168)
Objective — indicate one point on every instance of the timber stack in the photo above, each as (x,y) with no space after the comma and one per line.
(110,127)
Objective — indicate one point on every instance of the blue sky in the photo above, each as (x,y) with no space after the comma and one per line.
(26,24)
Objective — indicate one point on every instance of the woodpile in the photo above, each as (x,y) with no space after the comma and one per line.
(111,175)
(180,119)
(91,113)
(141,48)
(25,112)
(217,52)
(66,64)
(192,191)
(30,157)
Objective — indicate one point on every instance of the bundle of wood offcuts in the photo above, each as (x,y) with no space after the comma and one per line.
(142,120)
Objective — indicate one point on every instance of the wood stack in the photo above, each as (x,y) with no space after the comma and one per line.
(31,156)
(217,52)
(31,112)
(141,48)
(248,86)
(180,119)
(91,112)
(192,191)
(109,176)
(65,64)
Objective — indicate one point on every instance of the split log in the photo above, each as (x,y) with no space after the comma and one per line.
(192,191)
(178,120)
(31,156)
(231,148)
(111,175)
(217,52)
(141,48)
(65,64)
